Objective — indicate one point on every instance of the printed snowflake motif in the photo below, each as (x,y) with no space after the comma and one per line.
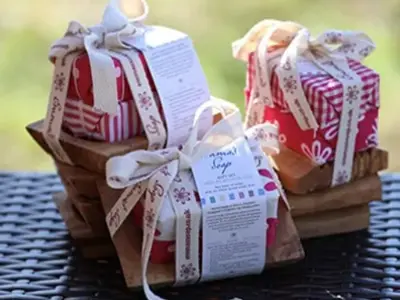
(177,178)
(352,94)
(287,66)
(164,171)
(145,100)
(365,51)
(149,218)
(316,153)
(260,134)
(342,177)
(372,139)
(347,48)
(333,38)
(59,82)
(181,195)
(289,83)
(187,271)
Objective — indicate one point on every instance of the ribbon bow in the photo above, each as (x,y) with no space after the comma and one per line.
(294,41)
(114,32)
(166,174)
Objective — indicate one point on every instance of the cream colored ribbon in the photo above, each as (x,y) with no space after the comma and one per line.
(116,36)
(165,175)
(296,42)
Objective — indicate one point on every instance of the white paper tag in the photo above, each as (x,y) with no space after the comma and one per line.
(179,80)
(234,212)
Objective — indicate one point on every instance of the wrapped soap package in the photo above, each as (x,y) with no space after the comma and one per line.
(191,203)
(324,100)
(121,78)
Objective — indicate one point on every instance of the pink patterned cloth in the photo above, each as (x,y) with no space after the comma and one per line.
(325,97)
(81,120)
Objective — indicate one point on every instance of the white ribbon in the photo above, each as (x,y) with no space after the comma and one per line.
(166,175)
(296,42)
(116,36)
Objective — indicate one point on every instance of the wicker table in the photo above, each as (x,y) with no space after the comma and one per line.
(38,261)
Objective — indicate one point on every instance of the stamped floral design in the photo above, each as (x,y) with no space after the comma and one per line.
(187,271)
(181,195)
(59,82)
(145,101)
(289,84)
(317,153)
(149,218)
(352,94)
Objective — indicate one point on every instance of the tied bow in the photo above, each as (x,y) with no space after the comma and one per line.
(166,173)
(329,52)
(115,32)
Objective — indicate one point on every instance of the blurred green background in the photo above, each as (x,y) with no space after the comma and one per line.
(27,28)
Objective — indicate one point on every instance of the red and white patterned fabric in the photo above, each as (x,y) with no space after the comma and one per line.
(325,97)
(81,120)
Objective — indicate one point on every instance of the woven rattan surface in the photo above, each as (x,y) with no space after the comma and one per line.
(38,261)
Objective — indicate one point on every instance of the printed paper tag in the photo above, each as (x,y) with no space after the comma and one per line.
(179,80)
(234,212)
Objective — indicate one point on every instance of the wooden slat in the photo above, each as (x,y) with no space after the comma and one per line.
(299,175)
(333,222)
(358,192)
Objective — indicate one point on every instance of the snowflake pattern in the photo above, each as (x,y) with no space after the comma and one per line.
(145,100)
(177,178)
(181,195)
(347,48)
(59,82)
(260,134)
(187,271)
(342,177)
(333,38)
(316,153)
(352,94)
(289,84)
(164,170)
(365,51)
(287,66)
(149,218)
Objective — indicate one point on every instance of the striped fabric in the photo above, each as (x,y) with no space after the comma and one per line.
(81,120)
(324,93)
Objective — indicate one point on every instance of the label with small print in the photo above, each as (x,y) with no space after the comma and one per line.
(180,81)
(234,212)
